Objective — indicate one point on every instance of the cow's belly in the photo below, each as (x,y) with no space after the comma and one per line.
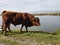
(15,23)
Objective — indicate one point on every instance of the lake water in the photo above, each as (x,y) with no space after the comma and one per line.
(48,24)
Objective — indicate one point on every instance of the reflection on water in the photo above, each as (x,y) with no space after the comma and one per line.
(48,23)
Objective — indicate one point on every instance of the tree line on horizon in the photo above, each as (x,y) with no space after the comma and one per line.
(52,13)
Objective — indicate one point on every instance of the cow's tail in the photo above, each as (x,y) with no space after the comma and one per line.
(4,12)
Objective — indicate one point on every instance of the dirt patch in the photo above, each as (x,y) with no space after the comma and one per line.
(26,41)
(2,44)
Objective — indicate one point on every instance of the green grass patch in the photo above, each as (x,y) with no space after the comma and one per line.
(30,38)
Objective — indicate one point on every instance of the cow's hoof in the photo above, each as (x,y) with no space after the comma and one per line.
(20,32)
(11,31)
(6,35)
(26,31)
(1,32)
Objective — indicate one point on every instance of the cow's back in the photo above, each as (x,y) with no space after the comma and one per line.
(15,18)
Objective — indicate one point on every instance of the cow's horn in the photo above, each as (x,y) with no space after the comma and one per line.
(32,19)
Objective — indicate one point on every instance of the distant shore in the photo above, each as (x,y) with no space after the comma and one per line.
(51,14)
(46,14)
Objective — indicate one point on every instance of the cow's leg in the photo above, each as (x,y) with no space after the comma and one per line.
(2,27)
(9,28)
(26,29)
(21,28)
(5,27)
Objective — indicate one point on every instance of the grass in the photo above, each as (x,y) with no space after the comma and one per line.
(30,38)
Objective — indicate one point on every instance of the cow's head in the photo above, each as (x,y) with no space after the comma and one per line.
(36,21)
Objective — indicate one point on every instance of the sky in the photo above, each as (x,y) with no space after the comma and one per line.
(31,6)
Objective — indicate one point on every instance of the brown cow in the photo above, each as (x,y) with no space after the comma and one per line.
(17,18)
